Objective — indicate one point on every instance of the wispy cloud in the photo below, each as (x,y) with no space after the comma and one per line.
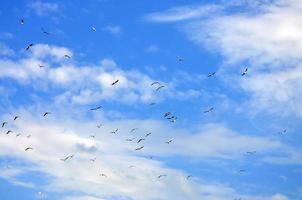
(113,29)
(42,8)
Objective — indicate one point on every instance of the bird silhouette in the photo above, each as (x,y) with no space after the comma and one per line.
(29,46)
(115,82)
(3,124)
(46,113)
(139,148)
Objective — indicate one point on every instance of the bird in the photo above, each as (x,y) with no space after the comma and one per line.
(134,129)
(161,175)
(148,134)
(211,74)
(28,148)
(96,108)
(179,59)
(115,82)
(93,29)
(46,113)
(18,134)
(92,136)
(45,32)
(15,118)
(114,132)
(103,175)
(160,87)
(173,120)
(152,104)
(244,72)
(8,132)
(168,142)
(209,110)
(22,22)
(99,126)
(93,160)
(241,171)
(140,140)
(130,139)
(282,132)
(3,124)
(250,152)
(139,148)
(28,136)
(29,46)
(65,159)
(167,114)
(67,56)
(237,199)
(155,83)
(188,177)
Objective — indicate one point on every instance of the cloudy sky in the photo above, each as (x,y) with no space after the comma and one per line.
(248,147)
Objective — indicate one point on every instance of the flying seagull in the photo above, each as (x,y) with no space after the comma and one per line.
(18,134)
(179,59)
(140,140)
(8,132)
(188,177)
(241,171)
(92,136)
(46,113)
(96,108)
(152,104)
(130,140)
(93,29)
(103,175)
(168,142)
(28,136)
(250,152)
(67,56)
(65,159)
(155,83)
(211,74)
(41,66)
(160,87)
(22,22)
(134,129)
(244,72)
(29,46)
(3,124)
(28,148)
(209,110)
(16,117)
(115,82)
(161,175)
(45,32)
(282,132)
(93,160)
(99,126)
(114,132)
(167,114)
(139,148)
(147,134)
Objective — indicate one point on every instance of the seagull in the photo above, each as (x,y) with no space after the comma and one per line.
(282,132)
(18,134)
(65,159)
(28,136)
(22,22)
(148,134)
(41,66)
(152,104)
(161,175)
(211,74)
(93,29)
(45,32)
(140,140)
(179,59)
(250,152)
(29,46)
(67,56)
(155,83)
(29,148)
(115,82)
(93,160)
(244,72)
(130,140)
(92,136)
(237,199)
(188,177)
(241,171)
(134,129)
(168,142)
(46,113)
(174,119)
(139,148)
(209,110)
(8,132)
(96,108)
(16,117)
(3,124)
(99,126)
(167,114)
(103,175)
(160,87)
(114,132)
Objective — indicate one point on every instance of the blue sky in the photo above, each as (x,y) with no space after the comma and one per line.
(176,43)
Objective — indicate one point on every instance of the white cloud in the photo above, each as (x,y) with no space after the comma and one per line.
(113,29)
(5,50)
(44,8)
(182,13)
(82,198)
(279,197)
(152,48)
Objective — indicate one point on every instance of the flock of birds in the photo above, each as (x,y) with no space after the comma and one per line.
(157,86)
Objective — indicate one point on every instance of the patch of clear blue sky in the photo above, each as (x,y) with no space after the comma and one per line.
(71,27)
